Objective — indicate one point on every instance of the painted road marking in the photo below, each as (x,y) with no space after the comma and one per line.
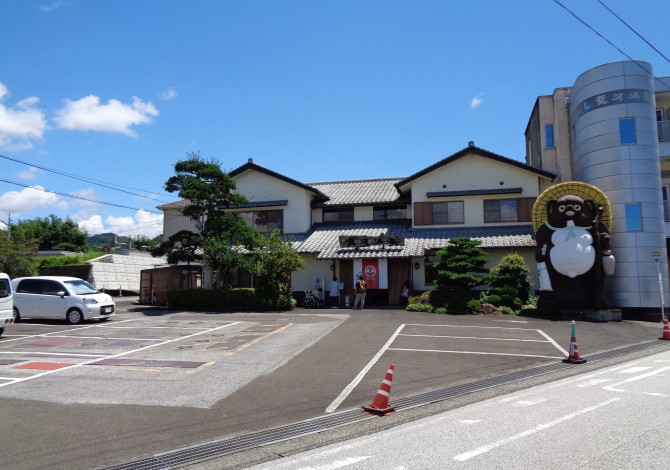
(612,388)
(540,427)
(92,361)
(43,365)
(348,389)
(104,325)
(475,353)
(479,337)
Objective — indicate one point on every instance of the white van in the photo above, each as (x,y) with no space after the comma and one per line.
(6,303)
(60,297)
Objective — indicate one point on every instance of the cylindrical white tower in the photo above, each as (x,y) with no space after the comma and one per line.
(615,148)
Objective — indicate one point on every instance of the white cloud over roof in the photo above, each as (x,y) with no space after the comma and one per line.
(89,114)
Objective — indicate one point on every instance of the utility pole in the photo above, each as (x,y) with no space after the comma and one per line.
(8,224)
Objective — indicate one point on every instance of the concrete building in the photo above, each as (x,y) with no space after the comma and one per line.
(611,129)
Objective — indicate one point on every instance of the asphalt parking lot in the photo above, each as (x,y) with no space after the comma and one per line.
(151,380)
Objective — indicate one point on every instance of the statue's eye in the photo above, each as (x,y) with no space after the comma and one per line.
(577,208)
(561,208)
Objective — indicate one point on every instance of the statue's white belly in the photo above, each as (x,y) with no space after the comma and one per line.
(573,253)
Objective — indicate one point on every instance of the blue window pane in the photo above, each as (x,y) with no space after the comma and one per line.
(633,217)
(627,131)
(549,135)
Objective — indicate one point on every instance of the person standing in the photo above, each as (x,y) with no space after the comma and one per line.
(360,291)
(334,297)
(404,294)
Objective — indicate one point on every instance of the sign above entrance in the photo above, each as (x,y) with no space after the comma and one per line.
(356,241)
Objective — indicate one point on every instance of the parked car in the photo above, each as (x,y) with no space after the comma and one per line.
(58,297)
(6,303)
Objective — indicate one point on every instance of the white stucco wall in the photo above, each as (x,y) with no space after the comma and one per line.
(474,172)
(259,187)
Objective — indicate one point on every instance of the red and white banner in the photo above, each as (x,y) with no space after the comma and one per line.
(371,273)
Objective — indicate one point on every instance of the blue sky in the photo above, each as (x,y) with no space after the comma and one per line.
(108,95)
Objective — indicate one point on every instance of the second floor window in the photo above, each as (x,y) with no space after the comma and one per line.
(389,213)
(338,215)
(264,221)
(448,212)
(500,210)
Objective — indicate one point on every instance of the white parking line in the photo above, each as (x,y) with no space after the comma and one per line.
(480,337)
(104,325)
(49,353)
(93,361)
(474,352)
(103,337)
(347,390)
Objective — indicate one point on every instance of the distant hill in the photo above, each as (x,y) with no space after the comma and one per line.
(111,240)
(105,239)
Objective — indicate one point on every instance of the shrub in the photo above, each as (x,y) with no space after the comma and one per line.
(510,281)
(474,307)
(419,308)
(242,299)
(505,310)
(461,268)
(441,310)
(423,298)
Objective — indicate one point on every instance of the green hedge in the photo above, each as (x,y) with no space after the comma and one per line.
(228,300)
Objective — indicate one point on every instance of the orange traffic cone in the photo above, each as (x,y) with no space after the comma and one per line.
(666,328)
(573,357)
(380,405)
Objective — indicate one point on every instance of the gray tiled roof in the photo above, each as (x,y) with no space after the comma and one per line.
(324,239)
(359,192)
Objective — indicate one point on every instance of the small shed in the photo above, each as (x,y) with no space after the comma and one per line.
(155,283)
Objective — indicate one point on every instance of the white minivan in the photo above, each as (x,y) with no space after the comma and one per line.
(6,303)
(60,297)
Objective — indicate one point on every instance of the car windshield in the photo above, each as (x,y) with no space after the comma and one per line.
(81,287)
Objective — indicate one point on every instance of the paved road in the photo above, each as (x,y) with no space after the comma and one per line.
(617,417)
(151,380)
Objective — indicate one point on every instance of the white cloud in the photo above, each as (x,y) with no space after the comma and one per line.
(142,223)
(169,94)
(20,125)
(93,225)
(85,194)
(477,100)
(49,8)
(88,114)
(29,200)
(30,174)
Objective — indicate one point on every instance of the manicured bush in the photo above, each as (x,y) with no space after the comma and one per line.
(441,310)
(229,300)
(419,308)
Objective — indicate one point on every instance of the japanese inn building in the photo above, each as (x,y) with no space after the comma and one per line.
(387,229)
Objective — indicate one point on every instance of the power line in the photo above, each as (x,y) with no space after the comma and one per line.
(610,42)
(79,197)
(633,30)
(86,180)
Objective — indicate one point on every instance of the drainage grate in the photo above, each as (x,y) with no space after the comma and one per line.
(219,448)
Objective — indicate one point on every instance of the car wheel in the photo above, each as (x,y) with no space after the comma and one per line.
(74,316)
(2,330)
(17,315)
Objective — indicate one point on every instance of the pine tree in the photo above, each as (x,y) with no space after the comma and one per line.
(462,267)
